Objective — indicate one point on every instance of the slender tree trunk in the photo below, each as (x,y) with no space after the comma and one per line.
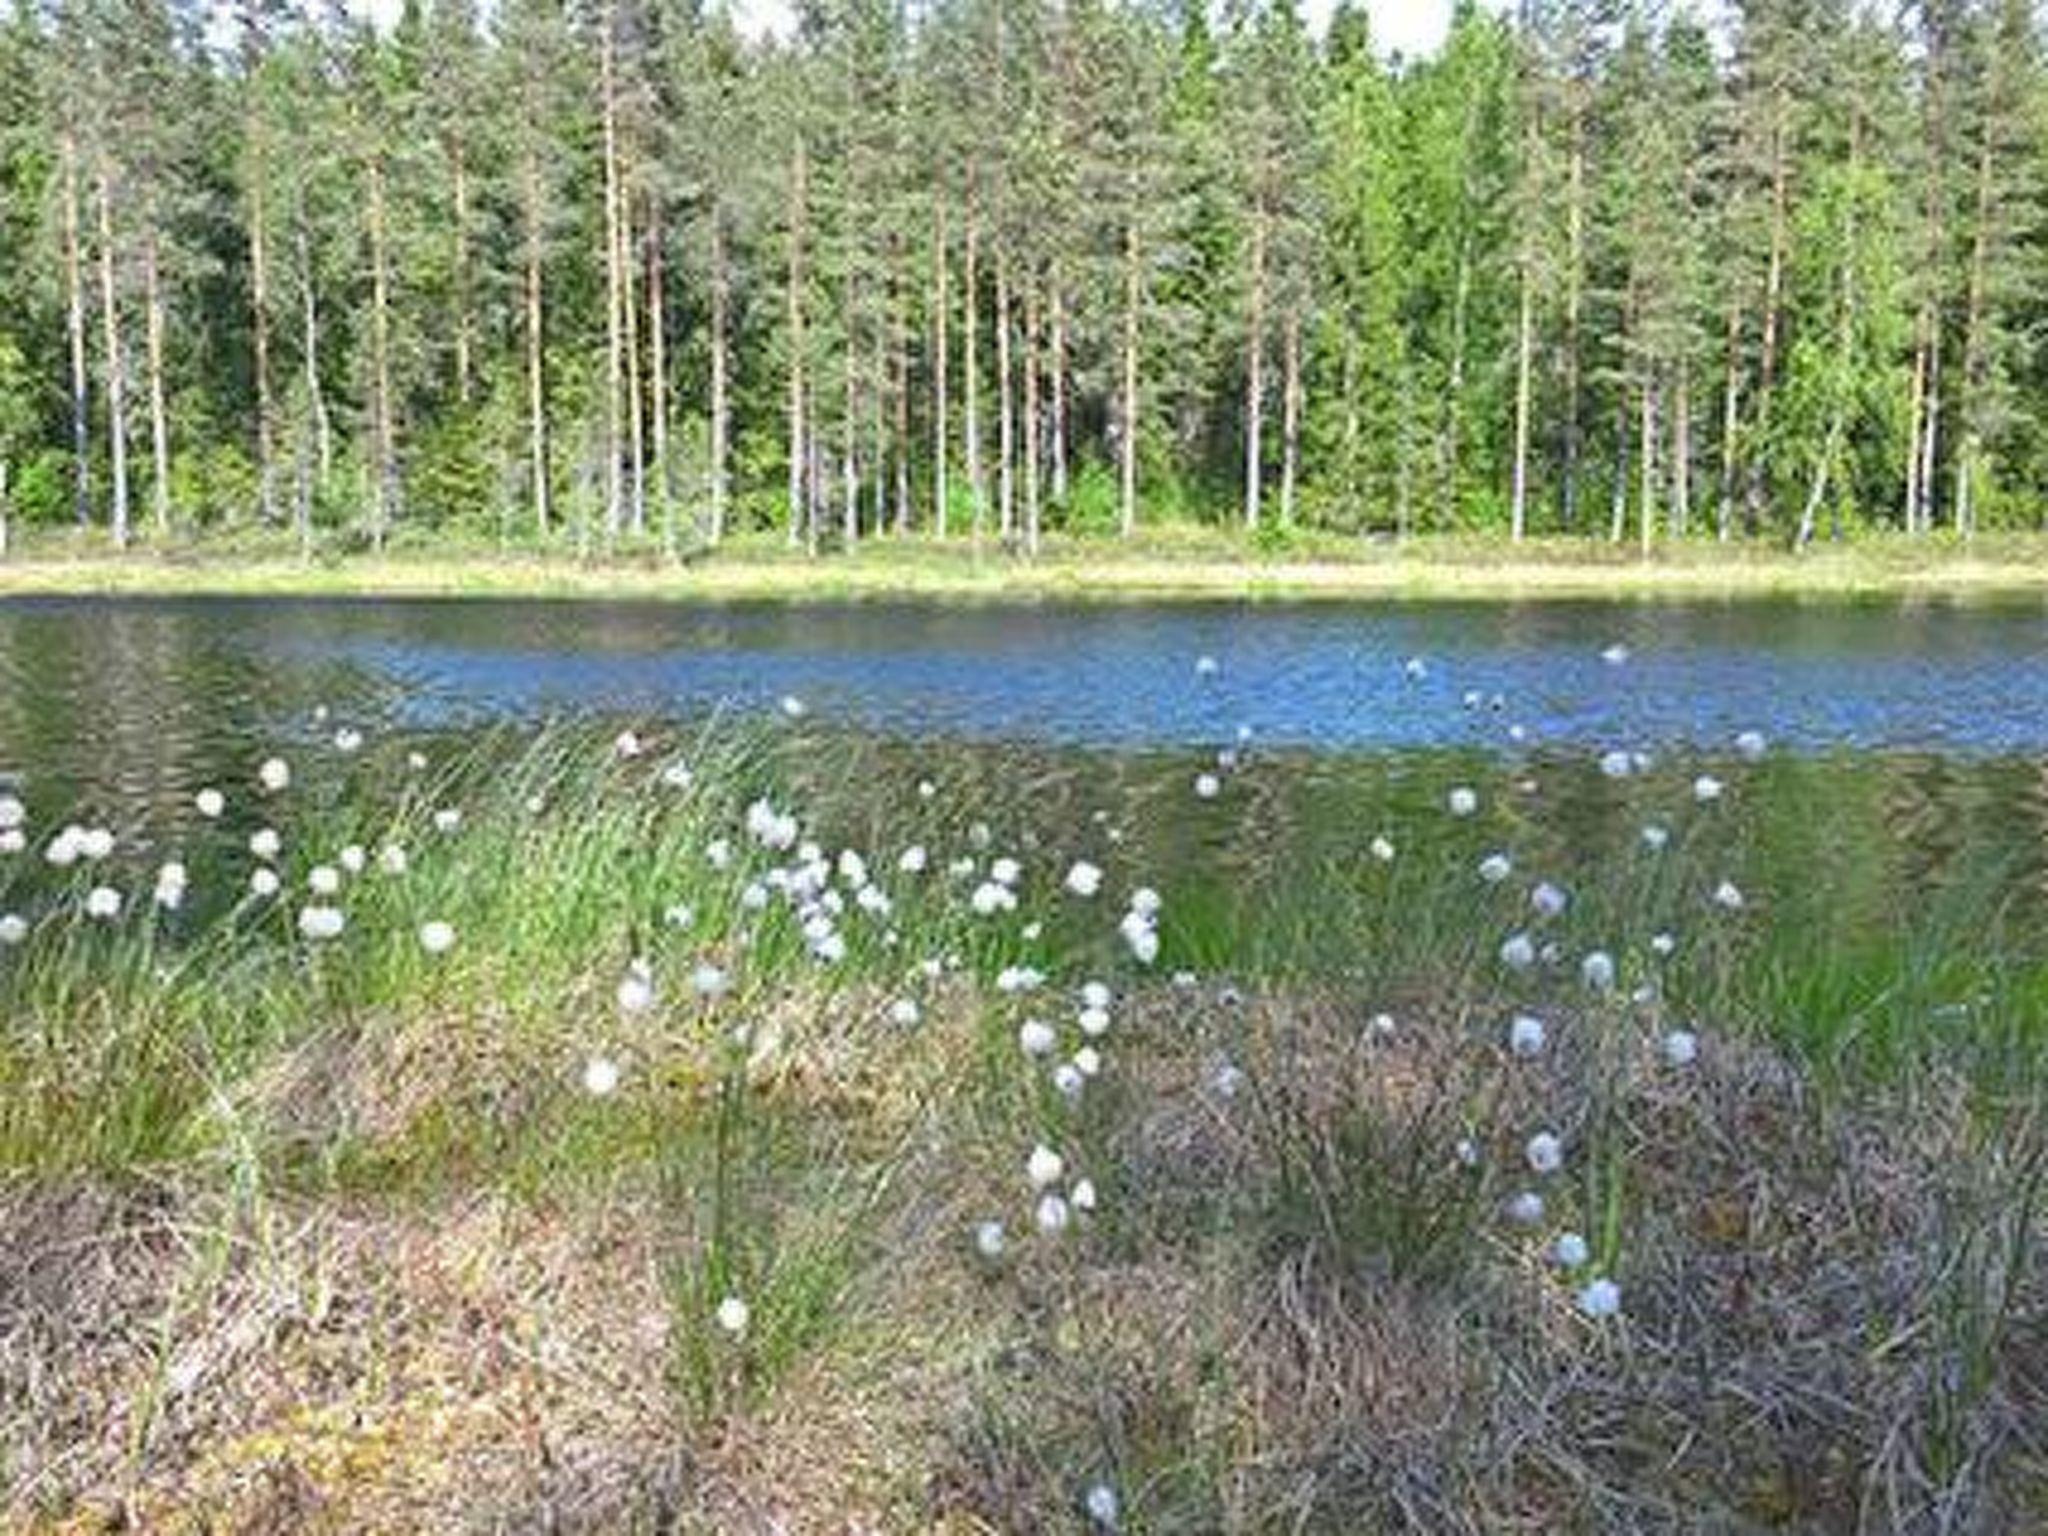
(1006,427)
(1033,436)
(721,407)
(1454,400)
(1059,395)
(1254,378)
(614,324)
(74,314)
(629,312)
(1290,413)
(1618,508)
(1774,282)
(459,176)
(110,316)
(309,314)
(657,378)
(1127,446)
(1976,351)
(1930,442)
(159,411)
(1648,453)
(382,490)
(259,330)
(1573,304)
(1915,407)
(798,437)
(970,387)
(1525,359)
(536,340)
(1681,452)
(1731,405)
(900,389)
(941,303)
(850,421)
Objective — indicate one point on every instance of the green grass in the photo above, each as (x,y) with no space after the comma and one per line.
(1172,562)
(345,1218)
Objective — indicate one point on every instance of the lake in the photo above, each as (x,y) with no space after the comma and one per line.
(1912,739)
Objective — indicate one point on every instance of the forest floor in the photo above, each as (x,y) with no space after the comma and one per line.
(1188,563)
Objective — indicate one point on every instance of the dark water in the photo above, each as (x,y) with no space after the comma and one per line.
(125,691)
(1910,742)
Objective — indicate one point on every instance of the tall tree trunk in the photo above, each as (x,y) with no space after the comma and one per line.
(798,437)
(259,330)
(1059,395)
(459,175)
(1033,436)
(1976,350)
(614,323)
(1006,426)
(941,303)
(309,315)
(1454,399)
(110,316)
(1681,451)
(1127,446)
(629,311)
(1525,358)
(970,386)
(657,378)
(721,407)
(850,419)
(382,469)
(1254,376)
(1916,405)
(1774,282)
(159,411)
(901,456)
(74,314)
(1573,304)
(1648,467)
(1290,413)
(536,338)
(1731,406)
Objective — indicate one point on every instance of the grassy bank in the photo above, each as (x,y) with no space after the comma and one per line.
(1170,564)
(751,1151)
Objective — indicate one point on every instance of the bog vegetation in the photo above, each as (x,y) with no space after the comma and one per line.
(616,274)
(745,1127)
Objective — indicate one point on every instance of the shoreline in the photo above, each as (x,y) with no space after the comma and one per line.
(2009,569)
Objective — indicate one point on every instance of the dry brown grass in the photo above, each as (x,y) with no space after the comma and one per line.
(1836,1317)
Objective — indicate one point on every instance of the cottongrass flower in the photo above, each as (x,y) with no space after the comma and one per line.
(1728,896)
(1140,934)
(1570,1251)
(1094,1021)
(447,819)
(989,1239)
(210,803)
(12,812)
(1462,801)
(677,775)
(1526,1209)
(1083,878)
(1053,1214)
(991,897)
(1070,1080)
(600,1077)
(1044,1167)
(1547,899)
(13,928)
(1706,788)
(733,1316)
(1655,837)
(265,843)
(709,982)
(1088,1061)
(1544,1152)
(1597,970)
(1036,1037)
(416,760)
(1526,1035)
(926,789)
(1749,745)
(1517,952)
(1082,1195)
(1005,871)
(1662,945)
(1681,1047)
(1380,1026)
(1615,654)
(437,937)
(392,859)
(1205,666)
(1494,868)
(323,879)
(1207,786)
(1616,764)
(679,915)
(352,858)
(635,991)
(1382,850)
(263,882)
(1013,979)
(1096,994)
(275,775)
(627,744)
(170,885)
(1415,669)
(1226,1077)
(913,860)
(1600,1299)
(792,707)
(12,839)
(348,741)
(321,922)
(64,849)
(904,1012)
(103,903)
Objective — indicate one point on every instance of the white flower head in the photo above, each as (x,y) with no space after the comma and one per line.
(323,880)
(635,991)
(1728,896)
(989,1239)
(600,1077)
(391,858)
(103,903)
(1207,786)
(1616,764)
(263,882)
(1205,666)
(1749,745)
(265,843)
(1036,1037)
(1681,1047)
(275,775)
(1526,1208)
(1518,952)
(1706,788)
(1544,1152)
(437,937)
(709,982)
(627,744)
(1600,1299)
(13,928)
(1597,970)
(1494,868)
(1053,1214)
(210,803)
(447,819)
(1083,878)
(1548,900)
(1526,1035)
(353,859)
(904,1012)
(1382,850)
(321,922)
(1462,800)
(733,1316)
(1570,1251)
(1044,1166)
(1655,837)
(912,860)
